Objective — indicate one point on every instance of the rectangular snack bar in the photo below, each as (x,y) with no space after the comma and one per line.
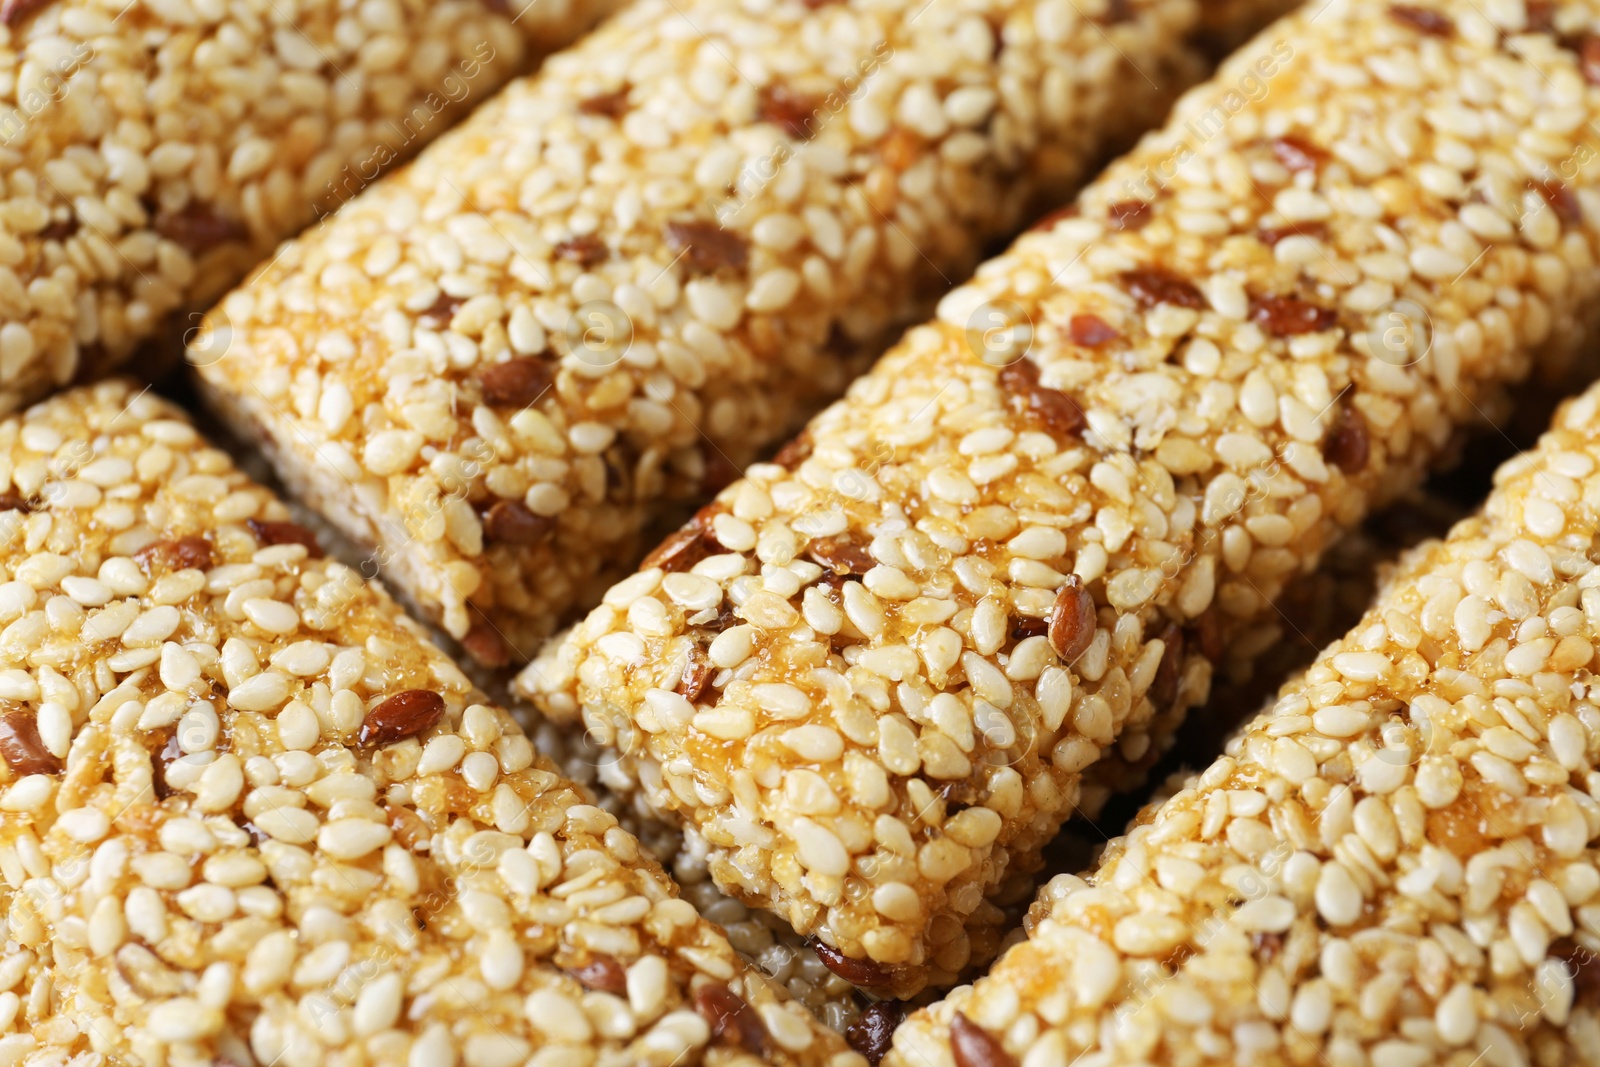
(250,815)
(621,279)
(1394,864)
(154,152)
(871,674)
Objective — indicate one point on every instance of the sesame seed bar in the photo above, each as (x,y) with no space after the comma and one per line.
(871,673)
(152,153)
(249,814)
(1393,865)
(625,276)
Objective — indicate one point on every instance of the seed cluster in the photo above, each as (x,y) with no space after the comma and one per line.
(249,814)
(1392,865)
(155,152)
(884,726)
(1315,609)
(625,276)
(783,955)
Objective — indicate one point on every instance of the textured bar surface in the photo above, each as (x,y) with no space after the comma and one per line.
(872,673)
(1315,610)
(154,152)
(625,276)
(250,815)
(1394,864)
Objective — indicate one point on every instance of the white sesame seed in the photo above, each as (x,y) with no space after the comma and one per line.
(378,1005)
(293,826)
(182,1019)
(273,616)
(18,685)
(1337,896)
(820,850)
(732,647)
(1362,666)
(264,692)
